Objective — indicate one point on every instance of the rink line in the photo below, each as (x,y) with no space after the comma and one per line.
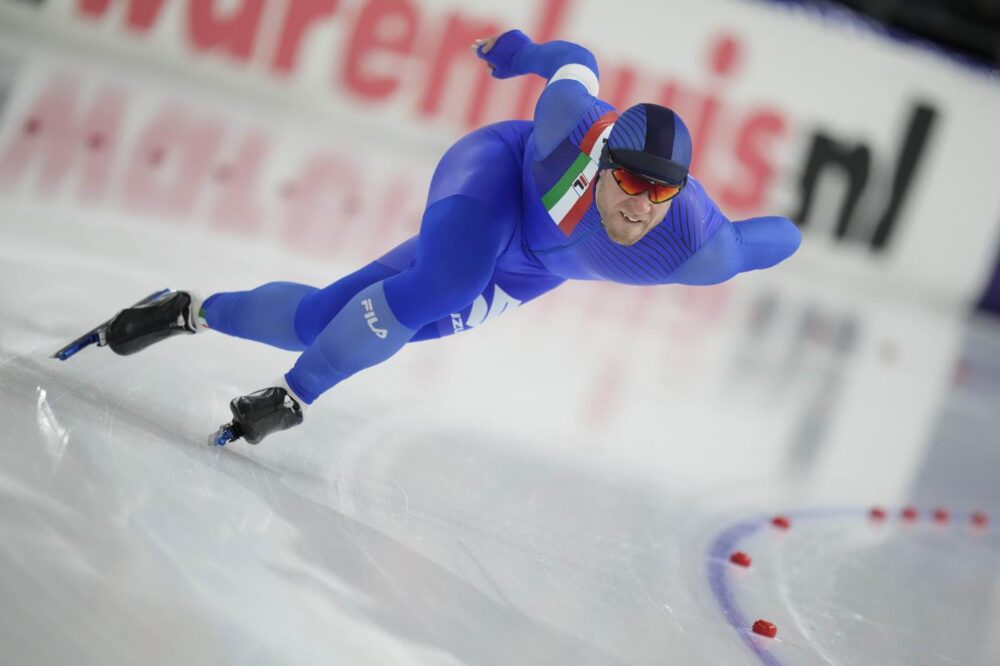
(719,567)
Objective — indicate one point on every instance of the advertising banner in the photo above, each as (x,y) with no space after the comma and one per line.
(884,152)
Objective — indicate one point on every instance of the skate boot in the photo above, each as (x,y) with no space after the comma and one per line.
(259,414)
(136,328)
(154,318)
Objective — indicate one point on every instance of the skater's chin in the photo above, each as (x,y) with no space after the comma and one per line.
(625,230)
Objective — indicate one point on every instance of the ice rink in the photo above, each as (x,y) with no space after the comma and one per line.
(566,485)
(423,524)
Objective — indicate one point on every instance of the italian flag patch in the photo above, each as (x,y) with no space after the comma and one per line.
(570,198)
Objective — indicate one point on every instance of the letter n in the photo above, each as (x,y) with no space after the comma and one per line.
(853,161)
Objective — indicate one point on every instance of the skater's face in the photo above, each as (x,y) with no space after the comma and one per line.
(627,217)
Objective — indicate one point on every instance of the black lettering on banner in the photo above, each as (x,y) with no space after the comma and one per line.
(921,122)
(855,161)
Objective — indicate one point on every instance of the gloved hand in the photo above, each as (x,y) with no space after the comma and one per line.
(500,52)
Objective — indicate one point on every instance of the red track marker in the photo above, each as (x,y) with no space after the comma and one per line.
(740,558)
(941,516)
(781,522)
(765,628)
(877,513)
(979,519)
(910,514)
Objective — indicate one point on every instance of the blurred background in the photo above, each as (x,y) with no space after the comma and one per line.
(223,144)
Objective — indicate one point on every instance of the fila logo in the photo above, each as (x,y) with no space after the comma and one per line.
(580,184)
(482,313)
(372,319)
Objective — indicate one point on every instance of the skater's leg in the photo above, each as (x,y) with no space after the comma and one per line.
(472,215)
(482,167)
(286,314)
(456,255)
(318,308)
(265,314)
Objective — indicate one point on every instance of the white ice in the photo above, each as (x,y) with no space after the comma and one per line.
(431,512)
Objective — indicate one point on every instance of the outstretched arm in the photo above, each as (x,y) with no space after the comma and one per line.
(572,75)
(760,242)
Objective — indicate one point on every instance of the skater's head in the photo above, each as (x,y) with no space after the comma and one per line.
(643,166)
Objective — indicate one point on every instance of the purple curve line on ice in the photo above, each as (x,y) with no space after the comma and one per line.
(718,569)
(718,566)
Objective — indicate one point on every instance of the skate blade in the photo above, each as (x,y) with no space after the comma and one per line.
(223,436)
(93,336)
(86,340)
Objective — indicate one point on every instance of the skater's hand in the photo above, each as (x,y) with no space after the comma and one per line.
(501,53)
(482,46)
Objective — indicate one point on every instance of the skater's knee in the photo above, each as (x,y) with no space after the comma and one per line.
(318,308)
(308,319)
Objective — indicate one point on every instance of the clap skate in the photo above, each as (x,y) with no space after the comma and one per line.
(158,316)
(259,414)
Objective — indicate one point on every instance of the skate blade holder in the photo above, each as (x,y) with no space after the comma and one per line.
(97,334)
(227,433)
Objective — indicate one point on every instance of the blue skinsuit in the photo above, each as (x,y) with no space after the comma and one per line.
(509,216)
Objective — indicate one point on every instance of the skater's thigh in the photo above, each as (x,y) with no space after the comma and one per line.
(473,212)
(473,209)
(484,168)
(456,253)
(485,165)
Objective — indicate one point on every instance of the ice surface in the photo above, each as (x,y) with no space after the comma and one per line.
(563,486)
(431,512)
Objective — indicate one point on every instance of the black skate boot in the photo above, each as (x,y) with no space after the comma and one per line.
(259,414)
(154,318)
(138,327)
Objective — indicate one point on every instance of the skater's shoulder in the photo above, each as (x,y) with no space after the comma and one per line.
(565,112)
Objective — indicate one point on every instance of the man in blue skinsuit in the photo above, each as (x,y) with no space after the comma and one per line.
(515,209)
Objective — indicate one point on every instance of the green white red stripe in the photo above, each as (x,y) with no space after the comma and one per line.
(572,195)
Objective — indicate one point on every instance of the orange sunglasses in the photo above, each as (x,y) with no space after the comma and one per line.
(633,184)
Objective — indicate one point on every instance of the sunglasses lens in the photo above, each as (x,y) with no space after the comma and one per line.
(630,183)
(661,193)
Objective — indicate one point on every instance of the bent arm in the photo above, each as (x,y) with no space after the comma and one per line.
(572,88)
(760,242)
(515,54)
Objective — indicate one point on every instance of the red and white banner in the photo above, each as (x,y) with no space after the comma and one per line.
(886,153)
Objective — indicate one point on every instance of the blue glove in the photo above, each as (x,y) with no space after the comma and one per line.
(504,52)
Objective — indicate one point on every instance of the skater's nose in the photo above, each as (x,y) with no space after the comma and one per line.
(638,204)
